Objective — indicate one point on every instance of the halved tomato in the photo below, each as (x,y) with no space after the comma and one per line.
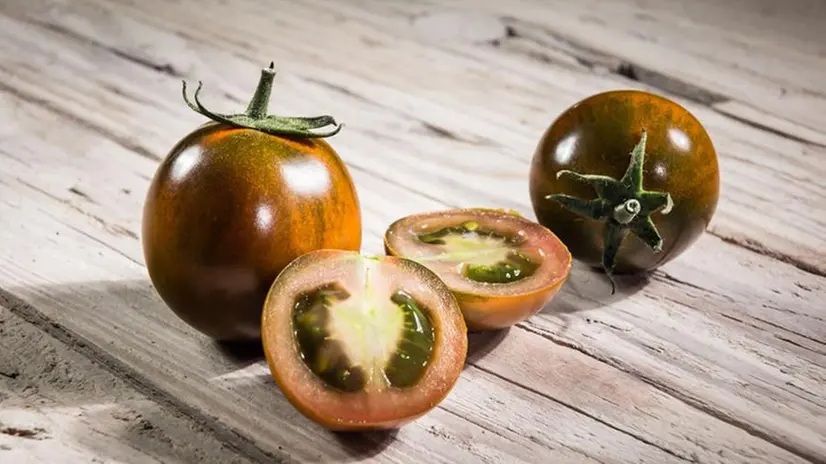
(502,267)
(358,343)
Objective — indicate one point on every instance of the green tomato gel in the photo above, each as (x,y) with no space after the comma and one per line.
(487,256)
(408,363)
(516,267)
(392,348)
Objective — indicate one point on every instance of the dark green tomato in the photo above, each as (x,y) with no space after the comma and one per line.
(596,137)
(229,208)
(234,202)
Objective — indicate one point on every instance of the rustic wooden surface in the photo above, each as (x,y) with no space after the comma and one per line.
(719,357)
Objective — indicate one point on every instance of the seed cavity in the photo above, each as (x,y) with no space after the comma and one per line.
(408,363)
(323,354)
(516,267)
(485,256)
(354,342)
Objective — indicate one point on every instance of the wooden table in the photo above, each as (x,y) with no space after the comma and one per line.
(720,356)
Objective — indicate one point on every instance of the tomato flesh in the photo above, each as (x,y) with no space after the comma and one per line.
(501,267)
(482,255)
(351,342)
(362,343)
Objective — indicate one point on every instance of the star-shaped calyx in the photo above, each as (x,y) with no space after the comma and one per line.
(623,204)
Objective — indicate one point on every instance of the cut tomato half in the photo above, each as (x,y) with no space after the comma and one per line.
(502,267)
(358,343)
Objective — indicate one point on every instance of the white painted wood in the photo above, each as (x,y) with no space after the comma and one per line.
(722,336)
(493,107)
(768,57)
(58,406)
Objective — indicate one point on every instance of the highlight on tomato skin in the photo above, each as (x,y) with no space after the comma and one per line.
(361,343)
(501,267)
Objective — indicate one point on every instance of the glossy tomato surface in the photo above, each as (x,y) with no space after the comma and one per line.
(228,209)
(359,343)
(501,267)
(596,136)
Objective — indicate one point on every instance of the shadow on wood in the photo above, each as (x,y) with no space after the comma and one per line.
(243,352)
(361,445)
(235,367)
(482,343)
(588,288)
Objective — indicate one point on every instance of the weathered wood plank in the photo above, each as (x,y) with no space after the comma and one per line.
(58,406)
(750,59)
(458,118)
(132,171)
(216,378)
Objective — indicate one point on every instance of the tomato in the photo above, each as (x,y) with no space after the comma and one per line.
(233,203)
(501,267)
(627,179)
(362,343)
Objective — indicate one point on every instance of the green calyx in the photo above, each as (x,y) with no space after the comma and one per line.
(256,117)
(623,204)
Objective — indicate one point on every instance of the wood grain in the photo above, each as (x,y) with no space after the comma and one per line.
(58,406)
(458,126)
(716,358)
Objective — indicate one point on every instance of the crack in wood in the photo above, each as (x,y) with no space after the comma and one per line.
(777,326)
(757,247)
(596,61)
(428,127)
(679,396)
(339,89)
(231,439)
(483,426)
(114,229)
(163,68)
(588,414)
(768,128)
(663,276)
(804,347)
(81,194)
(125,143)
(30,434)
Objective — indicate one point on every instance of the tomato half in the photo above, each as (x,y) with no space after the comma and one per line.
(359,343)
(233,203)
(627,179)
(502,268)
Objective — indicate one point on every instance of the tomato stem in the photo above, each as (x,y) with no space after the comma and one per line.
(623,204)
(627,211)
(255,117)
(257,108)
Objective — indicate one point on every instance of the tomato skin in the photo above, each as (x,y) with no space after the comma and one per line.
(596,136)
(483,313)
(228,209)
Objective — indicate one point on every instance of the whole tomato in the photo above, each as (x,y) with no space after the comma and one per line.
(627,179)
(233,203)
